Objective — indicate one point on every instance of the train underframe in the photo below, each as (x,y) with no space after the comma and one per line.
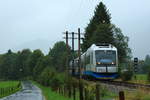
(98,76)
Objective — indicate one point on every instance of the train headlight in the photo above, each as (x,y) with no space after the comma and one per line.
(112,63)
(98,63)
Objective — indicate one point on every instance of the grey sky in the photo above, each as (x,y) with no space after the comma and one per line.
(39,23)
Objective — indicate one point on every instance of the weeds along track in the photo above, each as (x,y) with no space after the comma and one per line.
(125,84)
(120,83)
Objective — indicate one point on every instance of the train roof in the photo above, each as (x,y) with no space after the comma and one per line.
(102,47)
(99,46)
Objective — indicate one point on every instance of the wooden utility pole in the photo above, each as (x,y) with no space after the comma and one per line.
(79,66)
(79,48)
(73,69)
(67,47)
(79,58)
(67,64)
(79,54)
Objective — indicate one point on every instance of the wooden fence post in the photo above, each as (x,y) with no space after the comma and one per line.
(121,95)
(64,90)
(74,92)
(97,92)
(81,90)
(69,90)
(85,94)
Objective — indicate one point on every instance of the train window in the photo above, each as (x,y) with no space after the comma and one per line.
(91,61)
(105,56)
(87,59)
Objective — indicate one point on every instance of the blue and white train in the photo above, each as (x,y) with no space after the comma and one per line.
(100,61)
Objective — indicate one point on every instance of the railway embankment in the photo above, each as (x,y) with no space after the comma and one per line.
(131,91)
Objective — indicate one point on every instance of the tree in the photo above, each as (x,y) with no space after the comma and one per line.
(59,56)
(32,61)
(46,76)
(147,60)
(146,66)
(100,30)
(1,58)
(101,16)
(22,59)
(103,34)
(8,68)
(121,43)
(148,76)
(42,63)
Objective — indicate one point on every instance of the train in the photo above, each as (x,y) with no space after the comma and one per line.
(100,61)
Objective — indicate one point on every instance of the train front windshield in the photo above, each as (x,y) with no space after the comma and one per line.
(105,57)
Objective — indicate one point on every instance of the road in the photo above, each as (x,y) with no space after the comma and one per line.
(29,92)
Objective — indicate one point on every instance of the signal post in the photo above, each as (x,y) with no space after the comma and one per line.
(135,67)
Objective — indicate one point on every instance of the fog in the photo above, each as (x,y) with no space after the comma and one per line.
(38,24)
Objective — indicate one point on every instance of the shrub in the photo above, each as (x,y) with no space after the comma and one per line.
(148,76)
(90,90)
(127,75)
(46,76)
(57,81)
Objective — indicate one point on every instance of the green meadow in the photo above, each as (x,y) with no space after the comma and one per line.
(9,87)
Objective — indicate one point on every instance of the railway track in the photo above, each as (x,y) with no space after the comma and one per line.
(121,83)
(127,84)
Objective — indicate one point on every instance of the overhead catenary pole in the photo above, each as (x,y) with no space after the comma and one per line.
(67,47)
(79,54)
(67,39)
(73,69)
(79,58)
(79,67)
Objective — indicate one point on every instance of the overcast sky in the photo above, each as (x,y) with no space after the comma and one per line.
(40,23)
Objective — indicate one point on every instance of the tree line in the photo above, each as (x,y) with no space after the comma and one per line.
(32,64)
(144,66)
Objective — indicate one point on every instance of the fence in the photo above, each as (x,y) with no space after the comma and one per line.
(9,90)
(91,91)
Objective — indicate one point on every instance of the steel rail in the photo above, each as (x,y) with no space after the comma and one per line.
(126,84)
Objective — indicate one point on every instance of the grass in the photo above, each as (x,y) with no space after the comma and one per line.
(8,88)
(140,78)
(5,84)
(109,95)
(140,94)
(49,94)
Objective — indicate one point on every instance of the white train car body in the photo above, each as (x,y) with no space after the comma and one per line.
(99,61)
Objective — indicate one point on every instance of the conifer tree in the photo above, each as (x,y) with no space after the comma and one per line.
(103,34)
(101,30)
(101,16)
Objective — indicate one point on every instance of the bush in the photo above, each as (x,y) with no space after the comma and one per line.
(49,77)
(57,81)
(90,90)
(127,75)
(148,76)
(46,76)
